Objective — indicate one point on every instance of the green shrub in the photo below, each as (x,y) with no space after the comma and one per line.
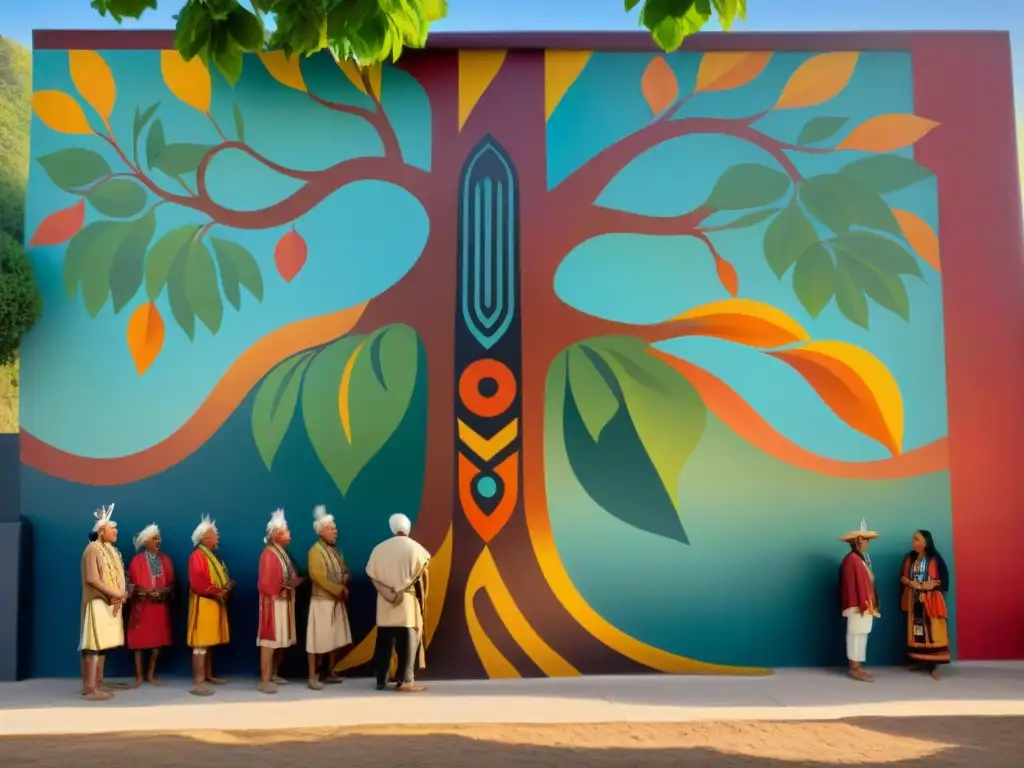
(20,300)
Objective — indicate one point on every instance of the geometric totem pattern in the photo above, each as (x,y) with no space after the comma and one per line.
(488,351)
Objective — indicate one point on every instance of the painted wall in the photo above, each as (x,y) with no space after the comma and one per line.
(631,338)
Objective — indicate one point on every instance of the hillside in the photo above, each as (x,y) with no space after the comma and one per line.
(15,89)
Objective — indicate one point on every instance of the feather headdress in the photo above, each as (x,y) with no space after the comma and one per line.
(277,523)
(102,517)
(145,535)
(321,519)
(205,526)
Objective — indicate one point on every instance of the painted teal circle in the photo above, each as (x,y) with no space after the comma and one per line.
(486,487)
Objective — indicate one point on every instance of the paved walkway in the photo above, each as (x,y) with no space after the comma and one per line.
(52,706)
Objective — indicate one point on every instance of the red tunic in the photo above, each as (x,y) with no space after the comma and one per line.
(149,623)
(856,589)
(271,584)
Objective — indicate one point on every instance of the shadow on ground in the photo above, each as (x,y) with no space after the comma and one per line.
(935,742)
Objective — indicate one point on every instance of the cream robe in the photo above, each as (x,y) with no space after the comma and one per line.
(395,566)
(101,628)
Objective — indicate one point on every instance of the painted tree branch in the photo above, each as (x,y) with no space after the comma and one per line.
(318,185)
(376,117)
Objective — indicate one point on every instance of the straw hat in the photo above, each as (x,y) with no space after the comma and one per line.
(863,533)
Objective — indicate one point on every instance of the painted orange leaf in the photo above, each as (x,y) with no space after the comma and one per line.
(742,321)
(345,392)
(351,70)
(60,226)
(284,69)
(94,81)
(659,85)
(855,384)
(921,236)
(724,71)
(60,112)
(189,80)
(727,276)
(887,133)
(817,80)
(145,336)
(290,255)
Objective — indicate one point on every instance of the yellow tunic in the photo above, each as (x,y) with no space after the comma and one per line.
(328,627)
(207,615)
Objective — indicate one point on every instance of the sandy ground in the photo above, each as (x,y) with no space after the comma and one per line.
(931,742)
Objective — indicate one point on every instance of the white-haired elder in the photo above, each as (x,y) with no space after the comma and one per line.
(398,569)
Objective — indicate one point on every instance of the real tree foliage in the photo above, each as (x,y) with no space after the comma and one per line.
(20,302)
(371,31)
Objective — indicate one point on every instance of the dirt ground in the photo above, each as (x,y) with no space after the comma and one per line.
(927,742)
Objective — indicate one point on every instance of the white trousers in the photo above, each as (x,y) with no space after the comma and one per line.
(858,627)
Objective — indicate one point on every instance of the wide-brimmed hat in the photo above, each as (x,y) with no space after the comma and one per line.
(863,533)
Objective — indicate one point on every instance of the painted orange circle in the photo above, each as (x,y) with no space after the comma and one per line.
(487,405)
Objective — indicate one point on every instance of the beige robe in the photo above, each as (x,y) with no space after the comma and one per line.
(395,566)
(101,628)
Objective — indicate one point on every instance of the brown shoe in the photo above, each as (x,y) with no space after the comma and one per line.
(410,688)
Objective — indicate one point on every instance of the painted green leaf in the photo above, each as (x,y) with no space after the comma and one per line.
(177,295)
(349,421)
(180,159)
(118,198)
(88,260)
(163,255)
(274,406)
(74,168)
(814,279)
(885,288)
(850,298)
(747,185)
(839,203)
(127,270)
(787,237)
(750,219)
(666,418)
(155,143)
(141,119)
(885,173)
(202,288)
(886,255)
(820,128)
(594,399)
(237,267)
(239,123)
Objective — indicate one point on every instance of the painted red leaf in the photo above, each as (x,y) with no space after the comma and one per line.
(727,276)
(60,226)
(290,255)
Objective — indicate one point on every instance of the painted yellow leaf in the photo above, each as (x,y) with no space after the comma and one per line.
(659,85)
(817,80)
(375,74)
(189,81)
(60,112)
(726,70)
(94,81)
(855,384)
(286,70)
(344,394)
(351,70)
(921,236)
(743,321)
(887,133)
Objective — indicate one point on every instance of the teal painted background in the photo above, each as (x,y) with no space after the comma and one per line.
(757,583)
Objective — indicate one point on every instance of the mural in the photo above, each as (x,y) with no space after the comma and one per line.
(632,338)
